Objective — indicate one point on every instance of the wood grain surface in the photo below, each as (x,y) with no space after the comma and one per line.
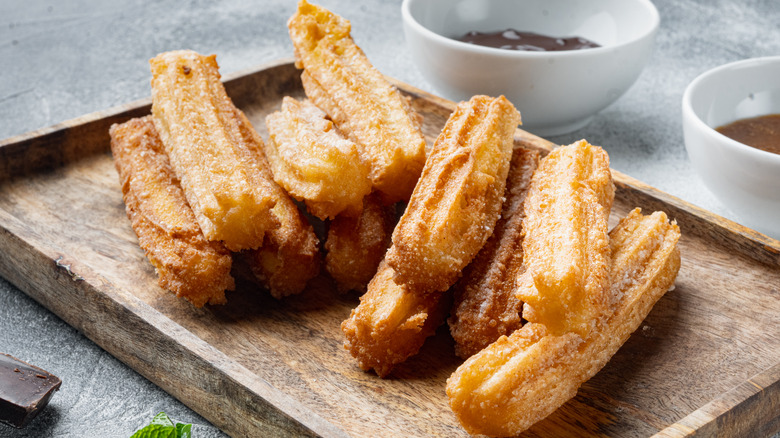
(706,361)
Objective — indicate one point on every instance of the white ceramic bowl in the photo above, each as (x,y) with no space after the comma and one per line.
(745,179)
(556,92)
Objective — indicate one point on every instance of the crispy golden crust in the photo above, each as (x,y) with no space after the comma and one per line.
(500,390)
(313,161)
(290,254)
(521,379)
(339,79)
(284,269)
(565,239)
(355,246)
(199,126)
(458,198)
(186,263)
(391,323)
(485,305)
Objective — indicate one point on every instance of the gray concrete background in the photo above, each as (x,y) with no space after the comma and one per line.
(64,59)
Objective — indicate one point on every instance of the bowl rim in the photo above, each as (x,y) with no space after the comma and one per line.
(699,124)
(408,18)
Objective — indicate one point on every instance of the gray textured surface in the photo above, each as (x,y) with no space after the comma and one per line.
(65,59)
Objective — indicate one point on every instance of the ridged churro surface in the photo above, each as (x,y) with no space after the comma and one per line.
(340,79)
(522,378)
(314,162)
(457,200)
(485,305)
(565,246)
(391,322)
(217,167)
(186,263)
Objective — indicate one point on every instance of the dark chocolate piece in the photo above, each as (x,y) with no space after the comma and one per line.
(24,390)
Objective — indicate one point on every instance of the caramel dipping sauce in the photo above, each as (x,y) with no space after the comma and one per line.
(512,39)
(759,132)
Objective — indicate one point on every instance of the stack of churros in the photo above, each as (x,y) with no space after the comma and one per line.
(197,186)
(339,79)
(548,285)
(356,135)
(187,264)
(514,247)
(451,214)
(584,292)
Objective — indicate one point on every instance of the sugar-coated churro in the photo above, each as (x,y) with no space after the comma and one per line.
(290,254)
(215,162)
(565,245)
(458,198)
(314,162)
(391,323)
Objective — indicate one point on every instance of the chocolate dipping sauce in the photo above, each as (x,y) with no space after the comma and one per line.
(512,39)
(759,132)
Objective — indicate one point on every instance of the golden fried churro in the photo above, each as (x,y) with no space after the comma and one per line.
(339,79)
(290,254)
(216,164)
(313,161)
(186,263)
(458,198)
(506,388)
(485,305)
(355,246)
(565,244)
(391,323)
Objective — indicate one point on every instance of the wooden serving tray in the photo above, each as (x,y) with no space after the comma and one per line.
(705,361)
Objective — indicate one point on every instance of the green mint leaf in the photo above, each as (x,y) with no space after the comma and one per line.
(183,430)
(156,431)
(162,419)
(163,427)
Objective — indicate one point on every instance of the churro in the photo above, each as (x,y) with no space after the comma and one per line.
(216,164)
(457,200)
(186,263)
(314,162)
(485,305)
(565,245)
(340,79)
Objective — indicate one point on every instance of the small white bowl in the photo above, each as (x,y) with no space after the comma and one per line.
(745,179)
(556,92)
